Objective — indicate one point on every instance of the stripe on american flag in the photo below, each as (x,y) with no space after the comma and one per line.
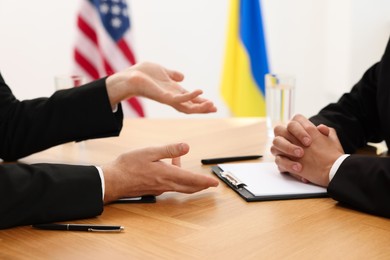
(103,47)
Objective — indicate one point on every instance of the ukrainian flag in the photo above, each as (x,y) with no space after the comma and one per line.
(245,60)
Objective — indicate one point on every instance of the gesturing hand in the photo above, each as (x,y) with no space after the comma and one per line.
(157,83)
(141,172)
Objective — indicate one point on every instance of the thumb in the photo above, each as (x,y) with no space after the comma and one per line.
(169,151)
(175,75)
(325,130)
(333,135)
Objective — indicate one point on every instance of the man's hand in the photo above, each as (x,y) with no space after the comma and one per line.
(141,172)
(305,151)
(289,140)
(155,82)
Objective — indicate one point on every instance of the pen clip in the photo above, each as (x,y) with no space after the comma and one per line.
(237,183)
(106,230)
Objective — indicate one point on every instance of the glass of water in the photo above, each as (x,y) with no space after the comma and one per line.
(279,96)
(68,81)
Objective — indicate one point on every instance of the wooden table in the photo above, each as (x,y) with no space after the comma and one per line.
(212,224)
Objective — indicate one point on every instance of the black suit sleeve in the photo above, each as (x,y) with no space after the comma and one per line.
(363,183)
(79,113)
(355,116)
(43,193)
(362,116)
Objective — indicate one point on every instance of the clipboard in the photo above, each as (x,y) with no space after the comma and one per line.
(263,182)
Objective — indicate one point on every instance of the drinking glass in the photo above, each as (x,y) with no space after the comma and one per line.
(280,97)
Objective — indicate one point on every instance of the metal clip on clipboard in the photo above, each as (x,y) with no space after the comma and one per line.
(232,179)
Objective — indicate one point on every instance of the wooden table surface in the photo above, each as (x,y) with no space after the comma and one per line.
(212,224)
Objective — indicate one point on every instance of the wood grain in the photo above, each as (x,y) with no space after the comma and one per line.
(212,224)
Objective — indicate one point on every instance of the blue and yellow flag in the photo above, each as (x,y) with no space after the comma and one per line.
(245,60)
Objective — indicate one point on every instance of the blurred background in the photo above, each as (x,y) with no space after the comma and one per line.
(326,45)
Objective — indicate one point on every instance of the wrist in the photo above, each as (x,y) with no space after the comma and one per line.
(119,88)
(111,189)
(101,175)
(336,166)
(330,169)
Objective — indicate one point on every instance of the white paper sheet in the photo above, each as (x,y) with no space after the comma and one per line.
(265,179)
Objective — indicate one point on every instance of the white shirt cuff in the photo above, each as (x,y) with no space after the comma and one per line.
(101,175)
(336,166)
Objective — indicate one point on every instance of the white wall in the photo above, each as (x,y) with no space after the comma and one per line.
(36,38)
(184,35)
(327,45)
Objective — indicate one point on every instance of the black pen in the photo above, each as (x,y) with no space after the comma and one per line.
(79,227)
(230,159)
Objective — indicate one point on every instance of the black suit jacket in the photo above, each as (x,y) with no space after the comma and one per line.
(362,116)
(42,193)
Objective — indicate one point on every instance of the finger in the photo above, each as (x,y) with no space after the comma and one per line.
(325,130)
(199,100)
(283,132)
(186,96)
(333,133)
(297,129)
(296,176)
(190,108)
(198,109)
(175,75)
(309,127)
(176,161)
(302,120)
(281,146)
(188,182)
(335,138)
(286,165)
(167,151)
(190,102)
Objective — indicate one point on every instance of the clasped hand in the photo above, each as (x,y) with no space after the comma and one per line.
(305,151)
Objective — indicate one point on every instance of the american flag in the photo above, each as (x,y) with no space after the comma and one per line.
(103,43)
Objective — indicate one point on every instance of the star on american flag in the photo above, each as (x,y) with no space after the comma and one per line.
(114,18)
(103,44)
